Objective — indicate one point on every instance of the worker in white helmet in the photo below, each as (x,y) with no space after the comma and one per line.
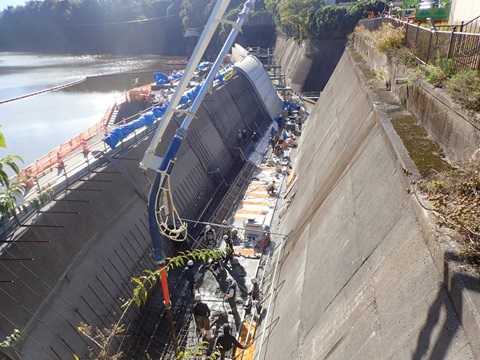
(201,311)
(226,229)
(189,275)
(210,237)
(228,249)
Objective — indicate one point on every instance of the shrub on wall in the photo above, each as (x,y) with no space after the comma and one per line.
(464,88)
(389,38)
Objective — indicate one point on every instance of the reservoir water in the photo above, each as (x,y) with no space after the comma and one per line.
(35,125)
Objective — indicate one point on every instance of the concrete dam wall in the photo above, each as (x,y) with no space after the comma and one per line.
(364,273)
(308,66)
(97,230)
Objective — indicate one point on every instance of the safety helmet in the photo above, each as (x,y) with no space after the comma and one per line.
(254,281)
(225,237)
(190,263)
(229,280)
(207,228)
(198,297)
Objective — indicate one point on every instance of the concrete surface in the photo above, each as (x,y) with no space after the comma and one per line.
(360,278)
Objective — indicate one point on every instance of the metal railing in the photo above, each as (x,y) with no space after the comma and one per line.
(472,26)
(430,44)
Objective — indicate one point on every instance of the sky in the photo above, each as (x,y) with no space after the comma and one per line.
(5,3)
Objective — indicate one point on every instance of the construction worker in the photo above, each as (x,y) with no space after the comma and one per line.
(240,138)
(189,275)
(254,138)
(229,249)
(255,294)
(214,266)
(226,341)
(271,188)
(226,229)
(210,237)
(229,295)
(201,311)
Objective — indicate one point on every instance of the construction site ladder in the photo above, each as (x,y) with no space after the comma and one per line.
(229,200)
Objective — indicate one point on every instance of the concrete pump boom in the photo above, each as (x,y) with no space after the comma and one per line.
(164,165)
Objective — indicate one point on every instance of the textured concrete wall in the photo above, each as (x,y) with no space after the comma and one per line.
(363,276)
(83,273)
(445,121)
(307,66)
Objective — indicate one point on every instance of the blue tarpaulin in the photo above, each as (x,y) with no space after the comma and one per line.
(161,78)
(147,119)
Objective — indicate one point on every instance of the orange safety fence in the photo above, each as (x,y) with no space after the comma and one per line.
(49,160)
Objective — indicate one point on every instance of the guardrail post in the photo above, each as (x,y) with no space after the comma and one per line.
(429,46)
(450,47)
(416,34)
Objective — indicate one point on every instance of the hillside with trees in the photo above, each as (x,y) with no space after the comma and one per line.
(109,26)
(158,26)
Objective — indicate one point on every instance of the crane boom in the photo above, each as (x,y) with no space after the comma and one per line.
(164,166)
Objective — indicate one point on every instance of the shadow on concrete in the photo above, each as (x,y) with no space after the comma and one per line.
(449,293)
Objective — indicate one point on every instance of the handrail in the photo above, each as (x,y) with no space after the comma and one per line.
(469,22)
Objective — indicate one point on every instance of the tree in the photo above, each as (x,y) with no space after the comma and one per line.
(11,189)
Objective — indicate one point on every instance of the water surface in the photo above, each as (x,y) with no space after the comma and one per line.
(35,125)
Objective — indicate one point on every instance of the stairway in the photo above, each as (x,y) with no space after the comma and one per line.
(237,188)
(111,121)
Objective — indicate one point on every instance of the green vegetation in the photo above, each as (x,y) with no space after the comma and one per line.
(424,152)
(389,38)
(455,195)
(112,26)
(12,190)
(145,282)
(312,19)
(102,338)
(11,339)
(462,86)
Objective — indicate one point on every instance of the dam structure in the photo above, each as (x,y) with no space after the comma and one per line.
(361,273)
(74,262)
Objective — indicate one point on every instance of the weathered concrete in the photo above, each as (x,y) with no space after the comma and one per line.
(445,121)
(309,65)
(364,275)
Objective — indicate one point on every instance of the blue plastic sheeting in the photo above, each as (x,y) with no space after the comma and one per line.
(147,119)
(161,78)
(219,77)
(176,74)
(202,65)
(122,132)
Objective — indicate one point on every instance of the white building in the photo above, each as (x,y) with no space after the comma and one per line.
(464,10)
